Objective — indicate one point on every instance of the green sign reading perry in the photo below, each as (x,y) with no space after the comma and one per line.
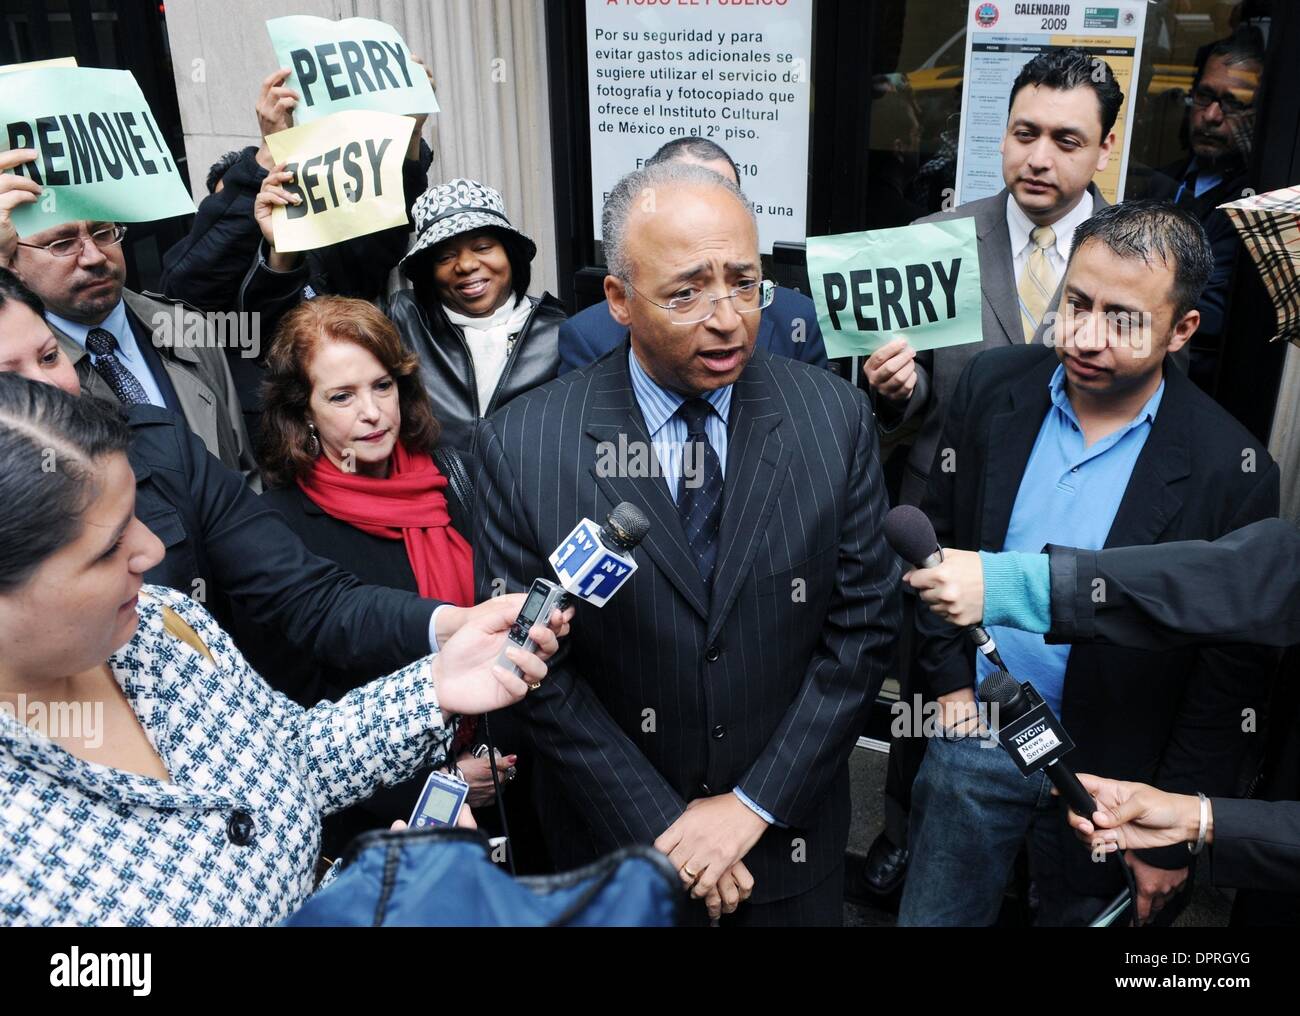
(919,282)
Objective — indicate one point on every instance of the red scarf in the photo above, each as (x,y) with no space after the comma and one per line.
(408,504)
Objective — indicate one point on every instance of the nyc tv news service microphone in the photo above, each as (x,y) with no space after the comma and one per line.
(592,563)
(1033,737)
(909,532)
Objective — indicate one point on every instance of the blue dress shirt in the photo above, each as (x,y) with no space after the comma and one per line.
(1068,495)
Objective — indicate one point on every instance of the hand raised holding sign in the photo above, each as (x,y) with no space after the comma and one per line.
(275,108)
(891,370)
(14,191)
(271,196)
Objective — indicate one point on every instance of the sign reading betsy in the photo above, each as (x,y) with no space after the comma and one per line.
(354,64)
(100,153)
(348,171)
(920,283)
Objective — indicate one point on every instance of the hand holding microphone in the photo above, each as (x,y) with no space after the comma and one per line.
(910,534)
(592,563)
(954,587)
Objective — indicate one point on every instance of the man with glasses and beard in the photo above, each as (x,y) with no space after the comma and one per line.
(1220,136)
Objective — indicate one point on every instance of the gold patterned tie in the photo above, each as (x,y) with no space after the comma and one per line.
(1037,281)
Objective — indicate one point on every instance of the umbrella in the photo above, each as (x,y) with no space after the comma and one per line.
(1269,226)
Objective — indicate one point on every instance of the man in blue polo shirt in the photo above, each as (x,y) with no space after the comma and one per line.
(788,327)
(1089,442)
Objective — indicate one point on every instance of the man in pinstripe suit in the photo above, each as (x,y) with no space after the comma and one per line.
(711,706)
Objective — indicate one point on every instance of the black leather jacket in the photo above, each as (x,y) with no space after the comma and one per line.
(447,369)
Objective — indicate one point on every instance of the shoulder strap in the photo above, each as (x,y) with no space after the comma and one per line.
(176,627)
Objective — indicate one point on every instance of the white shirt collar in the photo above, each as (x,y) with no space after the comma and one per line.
(1019,226)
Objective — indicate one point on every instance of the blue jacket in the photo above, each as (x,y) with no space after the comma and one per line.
(590,334)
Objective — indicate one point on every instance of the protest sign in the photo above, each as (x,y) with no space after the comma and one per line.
(354,64)
(100,151)
(348,171)
(920,283)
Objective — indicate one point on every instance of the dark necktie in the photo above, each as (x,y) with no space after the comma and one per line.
(125,385)
(699,492)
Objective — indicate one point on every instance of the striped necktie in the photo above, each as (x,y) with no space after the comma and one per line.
(126,386)
(1037,281)
(699,502)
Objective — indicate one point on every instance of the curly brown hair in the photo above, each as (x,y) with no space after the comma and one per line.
(286,391)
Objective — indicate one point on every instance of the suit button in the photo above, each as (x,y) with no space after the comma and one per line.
(712,653)
(240,828)
(704,789)
(719,732)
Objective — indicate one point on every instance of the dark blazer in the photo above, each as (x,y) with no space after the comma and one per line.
(224,544)
(1172,719)
(1243,587)
(663,696)
(938,370)
(591,333)
(1162,185)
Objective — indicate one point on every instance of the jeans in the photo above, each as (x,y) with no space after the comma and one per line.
(971,810)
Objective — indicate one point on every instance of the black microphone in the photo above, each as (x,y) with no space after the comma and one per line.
(909,532)
(1041,737)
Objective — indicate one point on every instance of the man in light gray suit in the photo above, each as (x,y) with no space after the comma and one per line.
(128,347)
(711,706)
(1059,134)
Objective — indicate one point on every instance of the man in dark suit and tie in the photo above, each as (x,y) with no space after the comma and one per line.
(709,708)
(1097,442)
(789,326)
(1059,134)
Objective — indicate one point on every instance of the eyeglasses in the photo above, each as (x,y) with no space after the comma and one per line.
(699,306)
(70,246)
(1204,98)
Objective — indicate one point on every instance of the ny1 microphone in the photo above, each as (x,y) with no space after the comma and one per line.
(1034,738)
(592,563)
(909,532)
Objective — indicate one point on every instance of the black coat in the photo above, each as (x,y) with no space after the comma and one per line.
(447,369)
(1243,587)
(667,694)
(225,546)
(1171,719)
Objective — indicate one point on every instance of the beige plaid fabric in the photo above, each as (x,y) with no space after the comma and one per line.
(1269,226)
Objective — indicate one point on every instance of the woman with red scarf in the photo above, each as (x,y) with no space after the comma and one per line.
(350,458)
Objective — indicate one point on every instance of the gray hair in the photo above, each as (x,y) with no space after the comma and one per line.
(648,182)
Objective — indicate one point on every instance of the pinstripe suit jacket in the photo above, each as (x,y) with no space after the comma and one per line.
(665,695)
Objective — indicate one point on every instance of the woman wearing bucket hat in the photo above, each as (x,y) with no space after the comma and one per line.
(481,339)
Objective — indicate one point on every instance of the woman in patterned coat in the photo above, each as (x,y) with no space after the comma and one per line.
(147,774)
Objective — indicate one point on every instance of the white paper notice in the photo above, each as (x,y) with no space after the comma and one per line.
(736,74)
(1001,38)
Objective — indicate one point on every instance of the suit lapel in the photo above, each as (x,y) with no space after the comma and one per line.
(997,270)
(615,424)
(756,466)
(1153,496)
(1012,434)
